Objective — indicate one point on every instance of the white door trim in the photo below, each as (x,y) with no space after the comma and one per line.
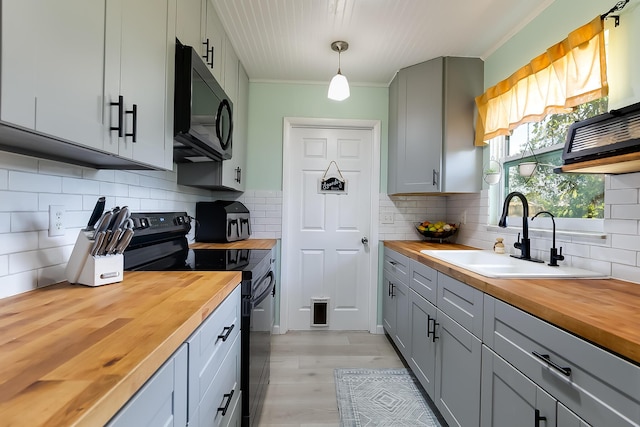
(374,126)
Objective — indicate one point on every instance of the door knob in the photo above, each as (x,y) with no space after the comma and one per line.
(365,241)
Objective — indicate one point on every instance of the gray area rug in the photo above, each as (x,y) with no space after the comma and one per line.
(381,397)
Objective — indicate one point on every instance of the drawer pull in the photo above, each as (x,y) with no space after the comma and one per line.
(228,330)
(391,286)
(432,332)
(547,359)
(539,418)
(224,408)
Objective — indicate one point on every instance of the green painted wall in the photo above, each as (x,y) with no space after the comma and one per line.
(269,103)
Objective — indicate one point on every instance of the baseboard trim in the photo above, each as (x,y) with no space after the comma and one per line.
(275,330)
(379,329)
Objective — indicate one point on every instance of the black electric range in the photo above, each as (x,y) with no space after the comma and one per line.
(160,244)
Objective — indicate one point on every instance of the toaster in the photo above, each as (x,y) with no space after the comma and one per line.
(222,221)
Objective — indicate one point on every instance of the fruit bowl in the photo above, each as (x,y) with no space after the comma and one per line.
(437,229)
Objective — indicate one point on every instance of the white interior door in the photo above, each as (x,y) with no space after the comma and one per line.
(324,253)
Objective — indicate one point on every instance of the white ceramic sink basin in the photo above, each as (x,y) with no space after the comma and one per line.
(491,264)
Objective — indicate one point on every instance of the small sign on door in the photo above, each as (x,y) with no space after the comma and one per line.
(332,184)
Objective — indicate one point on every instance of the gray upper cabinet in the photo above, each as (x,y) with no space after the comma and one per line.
(63,65)
(431,133)
(139,67)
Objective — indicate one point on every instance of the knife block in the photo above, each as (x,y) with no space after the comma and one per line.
(88,270)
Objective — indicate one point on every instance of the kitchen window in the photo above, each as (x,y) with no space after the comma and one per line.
(577,200)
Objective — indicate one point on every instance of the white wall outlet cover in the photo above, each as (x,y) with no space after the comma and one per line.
(56,220)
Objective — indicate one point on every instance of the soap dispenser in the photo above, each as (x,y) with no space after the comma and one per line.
(498,246)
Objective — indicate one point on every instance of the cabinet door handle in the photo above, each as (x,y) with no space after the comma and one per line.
(238,175)
(134,127)
(391,286)
(432,332)
(538,418)
(120,127)
(208,50)
(547,359)
(224,335)
(224,408)
(435,178)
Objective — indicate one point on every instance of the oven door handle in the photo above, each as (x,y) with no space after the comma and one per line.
(263,295)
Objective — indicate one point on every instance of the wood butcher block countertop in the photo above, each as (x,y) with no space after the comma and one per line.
(240,244)
(605,312)
(73,355)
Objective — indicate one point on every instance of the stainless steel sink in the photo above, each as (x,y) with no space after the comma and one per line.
(491,264)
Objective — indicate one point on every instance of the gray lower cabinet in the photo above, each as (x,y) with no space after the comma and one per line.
(396,299)
(162,401)
(214,365)
(200,384)
(444,355)
(486,363)
(509,399)
(458,373)
(591,384)
(423,342)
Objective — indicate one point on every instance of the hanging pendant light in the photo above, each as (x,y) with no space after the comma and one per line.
(339,86)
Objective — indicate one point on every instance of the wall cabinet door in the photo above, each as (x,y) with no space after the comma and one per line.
(234,169)
(52,68)
(215,37)
(458,373)
(189,23)
(422,360)
(139,56)
(509,399)
(431,127)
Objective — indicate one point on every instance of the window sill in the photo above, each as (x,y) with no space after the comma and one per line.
(541,232)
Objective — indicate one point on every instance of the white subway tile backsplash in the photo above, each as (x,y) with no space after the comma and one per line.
(17,162)
(4,180)
(125,177)
(33,182)
(622,226)
(69,201)
(4,267)
(13,284)
(33,260)
(627,196)
(50,167)
(625,212)
(19,242)
(5,222)
(80,186)
(13,201)
(630,180)
(624,241)
(625,272)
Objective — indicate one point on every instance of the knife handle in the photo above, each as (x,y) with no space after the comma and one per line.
(97,243)
(98,209)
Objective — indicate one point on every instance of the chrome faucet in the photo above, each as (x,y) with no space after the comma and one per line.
(554,257)
(525,244)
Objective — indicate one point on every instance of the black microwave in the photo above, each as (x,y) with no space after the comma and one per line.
(203,114)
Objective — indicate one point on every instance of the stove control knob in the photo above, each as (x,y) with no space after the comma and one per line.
(142,223)
(179,220)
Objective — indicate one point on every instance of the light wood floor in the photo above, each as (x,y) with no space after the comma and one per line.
(302,391)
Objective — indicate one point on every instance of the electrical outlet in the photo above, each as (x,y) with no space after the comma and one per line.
(56,220)
(463,217)
(387,218)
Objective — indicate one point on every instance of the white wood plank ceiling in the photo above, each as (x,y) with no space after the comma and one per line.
(289,40)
